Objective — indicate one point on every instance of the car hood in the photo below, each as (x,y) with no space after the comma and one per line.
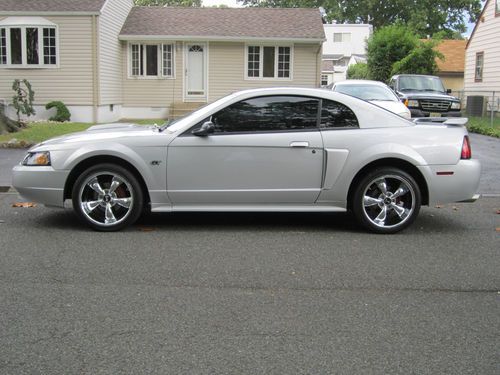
(117,132)
(395,107)
(426,95)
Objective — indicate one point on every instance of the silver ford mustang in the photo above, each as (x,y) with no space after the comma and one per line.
(281,149)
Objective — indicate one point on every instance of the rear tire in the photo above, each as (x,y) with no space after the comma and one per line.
(386,200)
(107,197)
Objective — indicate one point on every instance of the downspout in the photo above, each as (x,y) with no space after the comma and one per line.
(319,56)
(95,70)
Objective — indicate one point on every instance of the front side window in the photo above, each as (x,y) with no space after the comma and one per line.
(478,72)
(28,46)
(269,62)
(335,115)
(268,114)
(151,60)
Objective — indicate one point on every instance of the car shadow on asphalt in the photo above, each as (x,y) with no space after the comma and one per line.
(429,221)
(223,221)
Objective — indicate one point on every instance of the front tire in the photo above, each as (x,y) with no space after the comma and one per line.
(386,200)
(107,197)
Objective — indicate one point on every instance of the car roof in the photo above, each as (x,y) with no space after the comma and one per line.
(360,82)
(415,75)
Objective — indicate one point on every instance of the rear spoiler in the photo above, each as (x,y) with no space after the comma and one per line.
(452,121)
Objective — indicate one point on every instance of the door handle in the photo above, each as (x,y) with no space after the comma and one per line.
(299,144)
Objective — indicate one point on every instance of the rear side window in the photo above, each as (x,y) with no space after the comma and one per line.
(335,115)
(268,114)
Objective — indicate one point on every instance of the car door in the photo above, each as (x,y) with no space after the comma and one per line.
(263,150)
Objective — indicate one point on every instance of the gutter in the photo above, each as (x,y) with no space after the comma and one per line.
(213,38)
(47,13)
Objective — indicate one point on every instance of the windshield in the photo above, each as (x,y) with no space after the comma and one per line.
(420,83)
(368,92)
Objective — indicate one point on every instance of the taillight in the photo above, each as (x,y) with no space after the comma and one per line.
(466,150)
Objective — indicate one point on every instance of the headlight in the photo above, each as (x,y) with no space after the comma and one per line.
(411,103)
(37,159)
(455,105)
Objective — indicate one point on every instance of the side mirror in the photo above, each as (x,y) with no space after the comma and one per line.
(207,128)
(448,91)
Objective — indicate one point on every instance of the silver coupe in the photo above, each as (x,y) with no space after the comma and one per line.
(280,149)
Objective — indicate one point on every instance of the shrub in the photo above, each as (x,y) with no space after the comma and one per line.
(358,71)
(387,46)
(62,112)
(421,60)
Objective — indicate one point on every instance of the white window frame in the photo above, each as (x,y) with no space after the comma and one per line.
(159,46)
(276,60)
(24,58)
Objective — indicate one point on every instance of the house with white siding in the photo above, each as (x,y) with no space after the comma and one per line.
(108,60)
(482,56)
(344,46)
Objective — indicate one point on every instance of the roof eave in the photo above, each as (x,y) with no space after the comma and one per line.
(48,13)
(218,38)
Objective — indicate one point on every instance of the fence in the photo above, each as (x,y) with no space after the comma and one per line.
(479,103)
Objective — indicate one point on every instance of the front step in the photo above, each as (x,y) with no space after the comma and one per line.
(180,109)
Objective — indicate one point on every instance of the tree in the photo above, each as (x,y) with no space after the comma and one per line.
(426,17)
(23,98)
(358,71)
(182,3)
(421,60)
(387,46)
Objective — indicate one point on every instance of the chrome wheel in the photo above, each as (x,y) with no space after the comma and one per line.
(106,198)
(389,201)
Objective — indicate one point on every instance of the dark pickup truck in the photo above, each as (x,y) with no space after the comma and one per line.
(425,96)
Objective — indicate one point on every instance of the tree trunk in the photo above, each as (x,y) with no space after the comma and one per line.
(6,124)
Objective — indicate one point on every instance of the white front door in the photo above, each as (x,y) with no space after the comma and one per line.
(195,80)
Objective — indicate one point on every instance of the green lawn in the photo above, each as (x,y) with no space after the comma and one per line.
(40,131)
(482,125)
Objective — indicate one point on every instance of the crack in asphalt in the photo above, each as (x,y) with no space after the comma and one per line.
(269,289)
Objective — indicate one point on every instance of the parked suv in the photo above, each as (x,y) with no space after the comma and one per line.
(425,96)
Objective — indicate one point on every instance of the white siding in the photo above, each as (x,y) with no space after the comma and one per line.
(72,81)
(226,74)
(486,38)
(357,44)
(145,92)
(111,21)
(227,69)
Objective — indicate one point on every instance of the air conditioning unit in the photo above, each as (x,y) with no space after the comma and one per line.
(476,105)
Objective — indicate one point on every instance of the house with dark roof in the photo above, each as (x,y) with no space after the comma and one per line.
(108,60)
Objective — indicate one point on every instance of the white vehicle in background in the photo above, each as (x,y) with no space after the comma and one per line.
(374,92)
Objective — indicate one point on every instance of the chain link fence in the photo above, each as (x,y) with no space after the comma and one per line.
(480,103)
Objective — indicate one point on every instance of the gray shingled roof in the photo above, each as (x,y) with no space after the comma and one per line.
(51,5)
(296,23)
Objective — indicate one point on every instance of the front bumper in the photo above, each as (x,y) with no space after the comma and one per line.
(40,184)
(421,113)
(453,183)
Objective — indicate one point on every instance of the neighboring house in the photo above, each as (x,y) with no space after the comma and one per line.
(482,56)
(107,60)
(68,50)
(451,68)
(345,45)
